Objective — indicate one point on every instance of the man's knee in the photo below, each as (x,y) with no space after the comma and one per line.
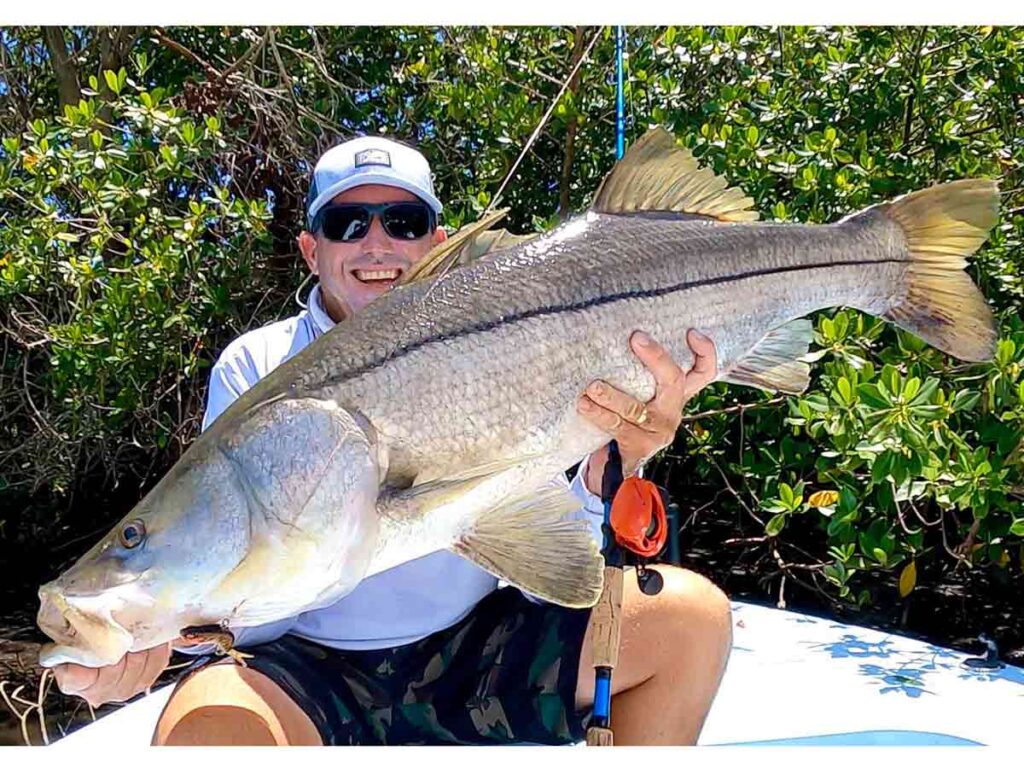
(228,704)
(697,609)
(219,726)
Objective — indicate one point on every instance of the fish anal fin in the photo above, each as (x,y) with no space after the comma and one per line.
(656,174)
(532,543)
(774,362)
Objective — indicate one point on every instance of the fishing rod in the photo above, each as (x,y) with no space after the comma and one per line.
(635,527)
(620,112)
(606,615)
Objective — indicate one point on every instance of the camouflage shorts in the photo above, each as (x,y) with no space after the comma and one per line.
(505,673)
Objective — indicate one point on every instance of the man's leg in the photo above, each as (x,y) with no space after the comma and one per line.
(672,654)
(226,704)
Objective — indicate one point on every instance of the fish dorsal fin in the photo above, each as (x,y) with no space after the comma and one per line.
(468,244)
(656,174)
(491,240)
(774,362)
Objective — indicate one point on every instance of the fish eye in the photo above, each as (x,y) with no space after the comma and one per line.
(132,534)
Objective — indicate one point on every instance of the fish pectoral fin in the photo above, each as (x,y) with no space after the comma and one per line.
(436,490)
(774,362)
(656,174)
(532,543)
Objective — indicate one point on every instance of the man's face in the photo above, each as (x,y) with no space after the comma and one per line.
(354,274)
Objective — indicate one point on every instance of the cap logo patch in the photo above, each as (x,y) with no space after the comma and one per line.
(373,157)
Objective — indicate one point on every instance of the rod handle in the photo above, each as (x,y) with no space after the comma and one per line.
(605,618)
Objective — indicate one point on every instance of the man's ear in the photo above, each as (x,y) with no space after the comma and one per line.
(307,245)
(440,235)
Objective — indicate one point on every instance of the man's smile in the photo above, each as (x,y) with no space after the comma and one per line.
(376,277)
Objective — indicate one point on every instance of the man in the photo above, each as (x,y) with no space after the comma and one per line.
(432,651)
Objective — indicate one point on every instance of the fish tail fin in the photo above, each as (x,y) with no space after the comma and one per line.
(943,225)
(532,543)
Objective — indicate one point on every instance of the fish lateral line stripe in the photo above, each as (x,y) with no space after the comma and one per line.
(600,300)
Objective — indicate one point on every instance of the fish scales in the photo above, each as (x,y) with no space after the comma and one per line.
(586,262)
(529,320)
(437,417)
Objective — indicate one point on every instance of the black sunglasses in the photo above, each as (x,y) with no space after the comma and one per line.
(351,221)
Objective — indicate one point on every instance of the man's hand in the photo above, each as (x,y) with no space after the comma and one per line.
(643,429)
(133,674)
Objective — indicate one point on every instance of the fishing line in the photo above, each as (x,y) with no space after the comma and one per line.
(533,137)
(543,121)
(630,123)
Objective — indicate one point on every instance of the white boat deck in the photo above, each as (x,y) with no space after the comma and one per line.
(792,680)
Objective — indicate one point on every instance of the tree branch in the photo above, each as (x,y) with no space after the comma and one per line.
(740,408)
(64,68)
(160,37)
(908,115)
(249,55)
(570,133)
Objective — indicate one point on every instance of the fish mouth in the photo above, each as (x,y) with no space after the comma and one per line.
(92,639)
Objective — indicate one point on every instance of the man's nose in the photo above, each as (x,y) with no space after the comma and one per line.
(376,236)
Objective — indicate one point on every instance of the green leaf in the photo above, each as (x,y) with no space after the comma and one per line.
(775,525)
(1017,529)
(111,80)
(816,401)
(910,388)
(924,395)
(965,400)
(872,395)
(889,379)
(786,494)
(845,389)
(880,468)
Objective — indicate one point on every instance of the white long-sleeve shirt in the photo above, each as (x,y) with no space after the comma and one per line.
(394,607)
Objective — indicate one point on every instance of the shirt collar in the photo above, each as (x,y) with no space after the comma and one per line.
(321,319)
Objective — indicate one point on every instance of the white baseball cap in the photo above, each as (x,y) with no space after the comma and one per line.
(369,160)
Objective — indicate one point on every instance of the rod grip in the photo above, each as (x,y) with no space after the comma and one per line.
(599,737)
(605,619)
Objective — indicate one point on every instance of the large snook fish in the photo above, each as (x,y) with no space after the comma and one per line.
(438,417)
